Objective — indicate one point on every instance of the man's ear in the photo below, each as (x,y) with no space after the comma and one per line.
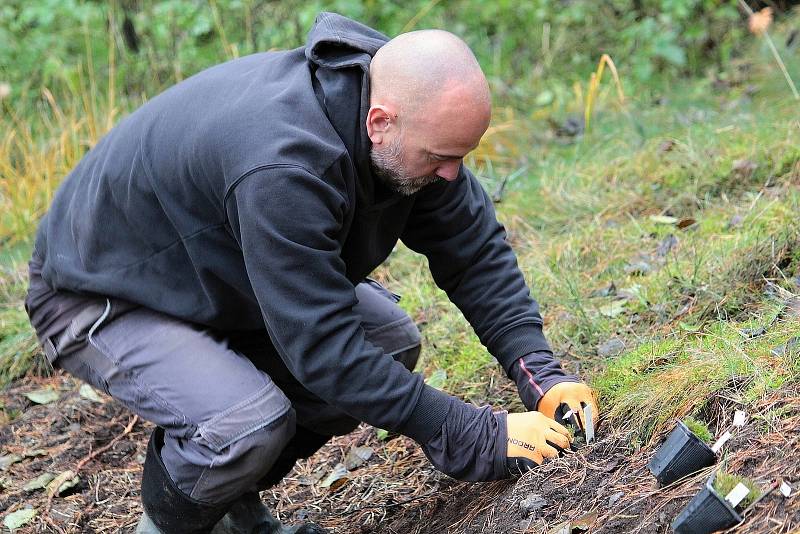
(380,120)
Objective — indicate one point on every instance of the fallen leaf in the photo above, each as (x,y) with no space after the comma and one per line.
(43,396)
(62,483)
(584,522)
(337,477)
(686,223)
(437,379)
(792,308)
(759,22)
(88,392)
(561,528)
(39,482)
(608,291)
(17,519)
(8,460)
(615,498)
(793,345)
(35,452)
(613,308)
(753,332)
(357,456)
(663,219)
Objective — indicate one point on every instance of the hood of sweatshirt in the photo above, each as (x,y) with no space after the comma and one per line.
(339,51)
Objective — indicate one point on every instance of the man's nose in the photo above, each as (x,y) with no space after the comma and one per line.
(449,170)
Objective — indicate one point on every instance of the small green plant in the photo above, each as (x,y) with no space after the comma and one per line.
(698,428)
(724,482)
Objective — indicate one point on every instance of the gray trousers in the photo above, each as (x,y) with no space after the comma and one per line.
(227,402)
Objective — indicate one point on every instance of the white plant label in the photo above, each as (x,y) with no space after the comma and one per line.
(720,442)
(739,418)
(588,422)
(737,494)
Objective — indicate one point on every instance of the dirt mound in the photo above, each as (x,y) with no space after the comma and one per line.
(604,488)
(607,488)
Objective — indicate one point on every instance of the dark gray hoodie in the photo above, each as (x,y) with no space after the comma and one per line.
(241,198)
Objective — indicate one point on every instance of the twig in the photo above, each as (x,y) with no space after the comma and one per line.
(107,446)
(87,459)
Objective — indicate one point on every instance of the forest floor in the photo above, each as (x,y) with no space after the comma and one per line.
(601,488)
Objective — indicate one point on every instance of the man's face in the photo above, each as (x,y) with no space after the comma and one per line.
(388,166)
(407,165)
(423,145)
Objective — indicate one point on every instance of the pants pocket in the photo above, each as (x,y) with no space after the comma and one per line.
(75,336)
(260,410)
(88,365)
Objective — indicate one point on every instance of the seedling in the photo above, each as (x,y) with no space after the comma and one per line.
(698,428)
(740,492)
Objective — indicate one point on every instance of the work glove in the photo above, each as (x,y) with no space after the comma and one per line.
(544,386)
(534,374)
(576,395)
(532,437)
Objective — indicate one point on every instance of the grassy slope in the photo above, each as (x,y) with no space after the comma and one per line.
(592,210)
(578,216)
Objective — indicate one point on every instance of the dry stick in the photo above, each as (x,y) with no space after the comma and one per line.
(774,50)
(87,459)
(110,444)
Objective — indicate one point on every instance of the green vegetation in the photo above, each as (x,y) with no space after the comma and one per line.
(724,482)
(671,223)
(698,428)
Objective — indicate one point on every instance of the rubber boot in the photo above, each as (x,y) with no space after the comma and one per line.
(248,515)
(167,510)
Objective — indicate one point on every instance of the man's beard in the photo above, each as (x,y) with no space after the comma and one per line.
(387,165)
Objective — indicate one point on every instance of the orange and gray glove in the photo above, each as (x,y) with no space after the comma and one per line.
(543,385)
(576,395)
(532,437)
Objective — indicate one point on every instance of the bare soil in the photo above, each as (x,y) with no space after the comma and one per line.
(603,488)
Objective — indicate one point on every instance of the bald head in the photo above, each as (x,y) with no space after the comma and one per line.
(429,107)
(420,69)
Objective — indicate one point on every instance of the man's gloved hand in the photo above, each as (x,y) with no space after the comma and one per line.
(532,437)
(572,394)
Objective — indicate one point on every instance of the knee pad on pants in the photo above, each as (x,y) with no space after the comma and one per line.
(222,475)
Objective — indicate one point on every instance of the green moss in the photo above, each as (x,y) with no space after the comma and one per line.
(724,482)
(698,428)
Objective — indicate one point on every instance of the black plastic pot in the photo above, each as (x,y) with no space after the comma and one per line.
(707,512)
(681,454)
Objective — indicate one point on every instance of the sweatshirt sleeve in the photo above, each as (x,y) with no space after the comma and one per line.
(454,225)
(288,224)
